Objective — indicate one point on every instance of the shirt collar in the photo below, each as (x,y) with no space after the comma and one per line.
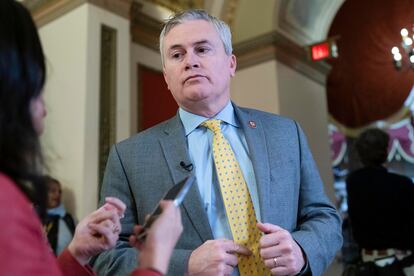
(192,121)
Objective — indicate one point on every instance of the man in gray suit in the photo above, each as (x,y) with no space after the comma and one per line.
(301,229)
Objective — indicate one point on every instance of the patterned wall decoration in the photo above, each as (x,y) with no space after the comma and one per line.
(400,147)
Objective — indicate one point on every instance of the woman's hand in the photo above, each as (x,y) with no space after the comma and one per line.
(161,238)
(97,232)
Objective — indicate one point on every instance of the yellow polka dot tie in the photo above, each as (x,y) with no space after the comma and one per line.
(237,201)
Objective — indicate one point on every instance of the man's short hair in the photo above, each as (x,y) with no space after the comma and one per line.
(372,147)
(189,15)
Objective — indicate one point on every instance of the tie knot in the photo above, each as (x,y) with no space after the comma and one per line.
(213,125)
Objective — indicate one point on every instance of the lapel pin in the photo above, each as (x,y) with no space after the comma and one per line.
(252,124)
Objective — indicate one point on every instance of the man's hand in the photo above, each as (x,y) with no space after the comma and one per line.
(215,257)
(280,252)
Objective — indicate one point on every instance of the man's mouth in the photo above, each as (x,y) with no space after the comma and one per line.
(193,77)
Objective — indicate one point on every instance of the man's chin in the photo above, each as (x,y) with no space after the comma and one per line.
(196,95)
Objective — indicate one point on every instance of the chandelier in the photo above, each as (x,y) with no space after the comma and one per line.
(407,50)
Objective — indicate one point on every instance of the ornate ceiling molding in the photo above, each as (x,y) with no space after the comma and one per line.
(45,11)
(145,30)
(119,7)
(178,5)
(229,12)
(307,21)
(275,45)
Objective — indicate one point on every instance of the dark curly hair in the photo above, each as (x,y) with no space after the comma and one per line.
(372,147)
(22,77)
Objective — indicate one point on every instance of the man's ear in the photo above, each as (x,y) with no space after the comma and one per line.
(165,78)
(233,65)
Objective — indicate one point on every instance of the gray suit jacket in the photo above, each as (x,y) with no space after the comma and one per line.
(141,168)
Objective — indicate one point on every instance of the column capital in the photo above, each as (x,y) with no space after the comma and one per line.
(45,11)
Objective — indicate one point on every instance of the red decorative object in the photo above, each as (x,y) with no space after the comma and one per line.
(363,85)
(320,51)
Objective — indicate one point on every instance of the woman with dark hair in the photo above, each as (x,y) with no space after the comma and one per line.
(23,245)
(24,249)
(22,76)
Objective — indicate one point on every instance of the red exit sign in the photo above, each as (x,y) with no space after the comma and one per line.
(320,51)
(323,50)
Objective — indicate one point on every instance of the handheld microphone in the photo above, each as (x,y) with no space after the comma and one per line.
(187,167)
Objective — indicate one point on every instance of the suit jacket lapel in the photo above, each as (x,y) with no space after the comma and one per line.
(255,138)
(174,145)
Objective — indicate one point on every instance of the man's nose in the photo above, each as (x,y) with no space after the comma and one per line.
(191,61)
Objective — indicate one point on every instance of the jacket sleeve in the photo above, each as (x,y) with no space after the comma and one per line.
(24,249)
(319,230)
(122,259)
(71,267)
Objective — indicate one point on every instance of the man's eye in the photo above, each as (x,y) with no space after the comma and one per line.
(203,50)
(176,55)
